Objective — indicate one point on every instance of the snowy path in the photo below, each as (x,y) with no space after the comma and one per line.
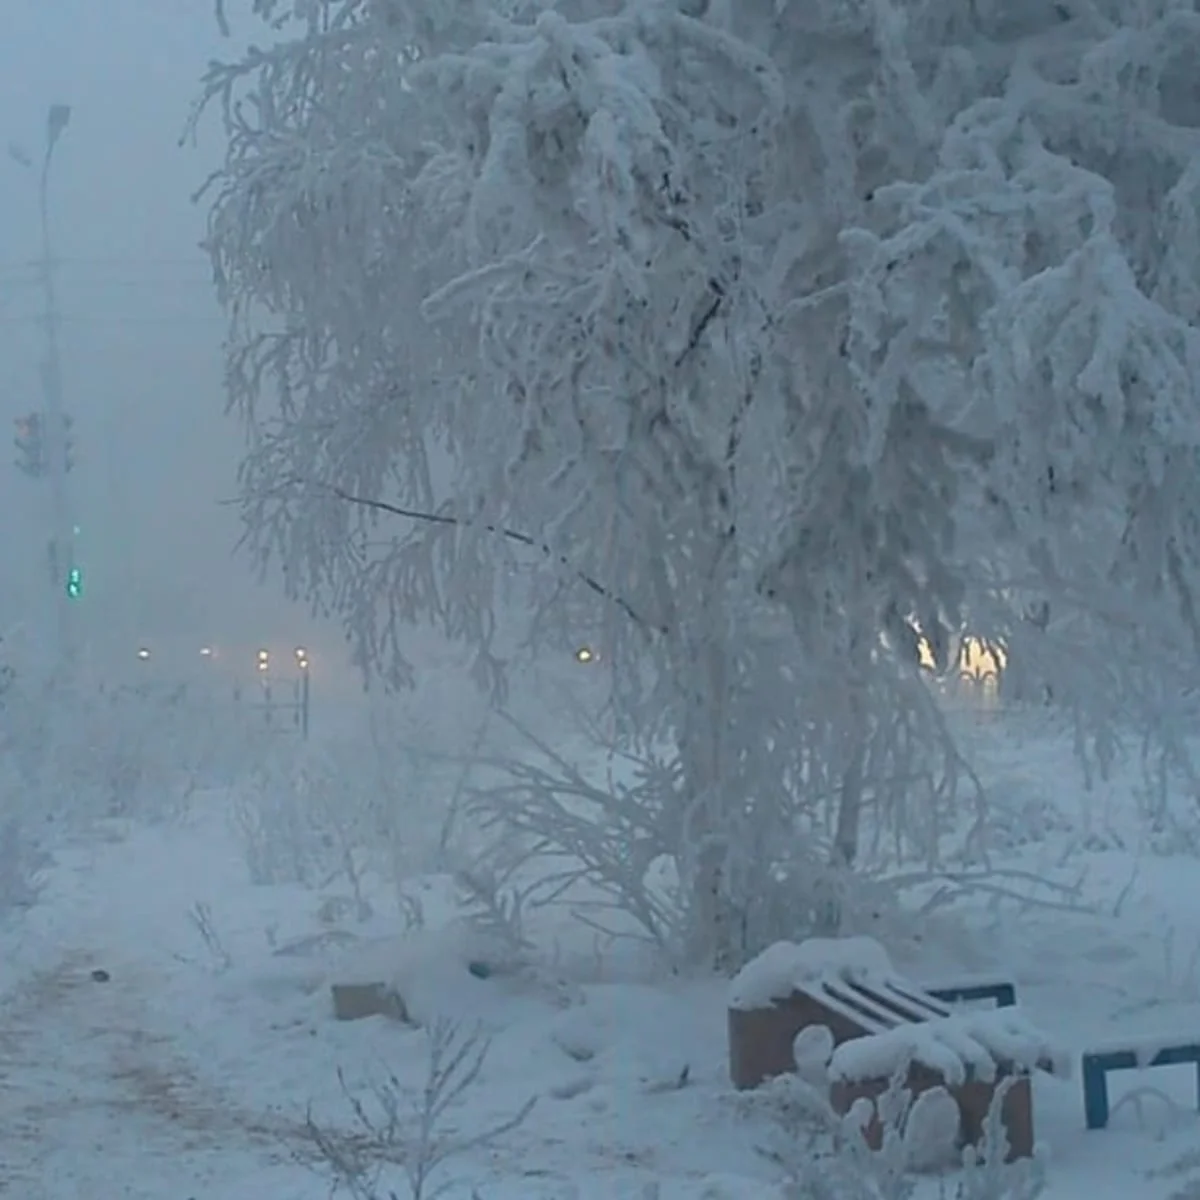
(95,1100)
(99,1093)
(186,1073)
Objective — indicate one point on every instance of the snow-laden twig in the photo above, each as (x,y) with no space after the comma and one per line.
(400,1131)
(205,925)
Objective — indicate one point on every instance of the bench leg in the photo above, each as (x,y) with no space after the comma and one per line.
(1095,1095)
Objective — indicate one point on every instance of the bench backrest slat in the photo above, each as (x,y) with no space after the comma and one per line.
(928,1006)
(882,1016)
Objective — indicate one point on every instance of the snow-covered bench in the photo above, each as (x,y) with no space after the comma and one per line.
(974,987)
(880,1023)
(968,1054)
(1132,1055)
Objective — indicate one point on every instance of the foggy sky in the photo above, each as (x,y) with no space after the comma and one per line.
(141,340)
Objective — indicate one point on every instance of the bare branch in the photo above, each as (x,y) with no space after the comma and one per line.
(511,535)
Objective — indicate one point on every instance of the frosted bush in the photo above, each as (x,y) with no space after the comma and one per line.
(339,811)
(88,751)
(22,864)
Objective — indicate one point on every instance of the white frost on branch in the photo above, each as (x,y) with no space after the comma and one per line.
(783,327)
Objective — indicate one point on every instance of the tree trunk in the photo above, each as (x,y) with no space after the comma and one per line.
(850,800)
(713,919)
(848,825)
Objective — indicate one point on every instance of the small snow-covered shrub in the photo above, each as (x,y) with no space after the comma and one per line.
(400,1132)
(615,825)
(22,863)
(292,817)
(339,811)
(87,750)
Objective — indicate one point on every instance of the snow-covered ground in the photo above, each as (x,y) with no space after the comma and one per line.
(165,1025)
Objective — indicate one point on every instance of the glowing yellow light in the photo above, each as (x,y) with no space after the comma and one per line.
(979,661)
(264,659)
(585,654)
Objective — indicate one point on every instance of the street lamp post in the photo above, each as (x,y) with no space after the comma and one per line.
(63,530)
(62,536)
(303,690)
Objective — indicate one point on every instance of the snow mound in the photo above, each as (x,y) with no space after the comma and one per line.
(431,969)
(812,1048)
(784,967)
(970,1045)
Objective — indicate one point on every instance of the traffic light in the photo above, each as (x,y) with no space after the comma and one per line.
(75,583)
(31,445)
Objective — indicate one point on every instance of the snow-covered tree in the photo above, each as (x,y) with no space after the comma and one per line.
(774,329)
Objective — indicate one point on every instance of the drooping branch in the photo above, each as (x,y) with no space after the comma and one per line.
(512,535)
(706,319)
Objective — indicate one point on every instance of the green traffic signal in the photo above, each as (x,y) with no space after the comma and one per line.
(74,583)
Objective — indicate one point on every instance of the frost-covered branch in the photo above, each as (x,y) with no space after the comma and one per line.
(799,331)
(513,535)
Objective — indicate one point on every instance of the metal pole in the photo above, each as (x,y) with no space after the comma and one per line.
(62,535)
(304,689)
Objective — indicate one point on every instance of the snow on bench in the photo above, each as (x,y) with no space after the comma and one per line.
(785,966)
(959,1047)
(1132,1054)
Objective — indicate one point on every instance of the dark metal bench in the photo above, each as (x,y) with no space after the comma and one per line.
(1098,1063)
(1002,991)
